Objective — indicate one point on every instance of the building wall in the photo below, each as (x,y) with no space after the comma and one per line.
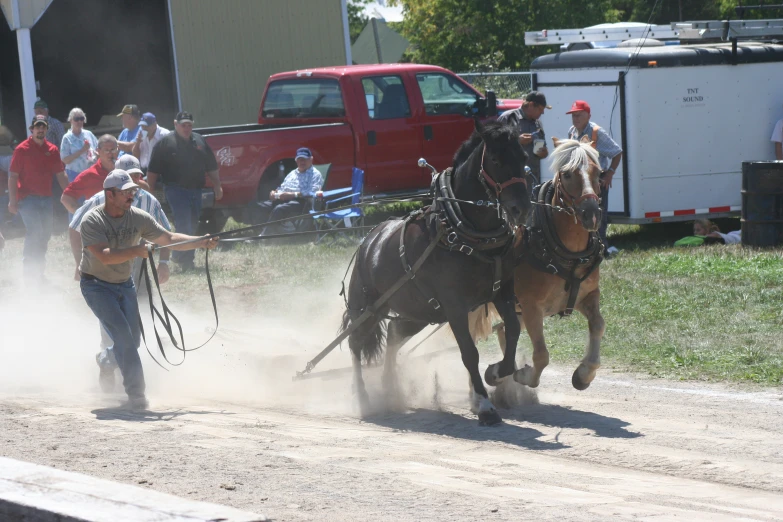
(226,50)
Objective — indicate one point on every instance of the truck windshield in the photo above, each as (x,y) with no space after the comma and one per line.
(304,98)
(443,94)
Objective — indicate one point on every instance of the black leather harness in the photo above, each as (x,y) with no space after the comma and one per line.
(456,233)
(543,250)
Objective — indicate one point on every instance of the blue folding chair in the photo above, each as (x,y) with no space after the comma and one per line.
(344,219)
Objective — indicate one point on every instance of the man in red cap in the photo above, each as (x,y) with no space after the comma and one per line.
(34,163)
(609,156)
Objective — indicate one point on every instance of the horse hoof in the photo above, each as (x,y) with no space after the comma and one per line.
(577,381)
(524,376)
(491,376)
(489,418)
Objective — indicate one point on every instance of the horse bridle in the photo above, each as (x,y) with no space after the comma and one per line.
(567,198)
(497,187)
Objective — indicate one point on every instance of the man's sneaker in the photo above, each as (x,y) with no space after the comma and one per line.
(106,376)
(611,251)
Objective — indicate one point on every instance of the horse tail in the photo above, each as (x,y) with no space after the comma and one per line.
(480,322)
(372,337)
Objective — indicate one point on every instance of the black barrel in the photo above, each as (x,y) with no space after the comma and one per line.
(762,203)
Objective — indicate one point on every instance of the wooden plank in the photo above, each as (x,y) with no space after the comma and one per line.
(43,494)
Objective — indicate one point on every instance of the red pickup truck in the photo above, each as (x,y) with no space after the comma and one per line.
(380,118)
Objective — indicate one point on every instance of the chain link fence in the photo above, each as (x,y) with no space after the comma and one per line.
(505,84)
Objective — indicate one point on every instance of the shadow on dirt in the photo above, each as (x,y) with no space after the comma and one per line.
(556,416)
(120,413)
(438,422)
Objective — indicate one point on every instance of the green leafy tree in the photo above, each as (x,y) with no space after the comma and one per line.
(490,35)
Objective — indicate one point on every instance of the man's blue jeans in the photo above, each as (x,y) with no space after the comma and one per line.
(36,212)
(117,308)
(186,205)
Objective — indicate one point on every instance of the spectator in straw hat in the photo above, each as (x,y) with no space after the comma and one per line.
(131,116)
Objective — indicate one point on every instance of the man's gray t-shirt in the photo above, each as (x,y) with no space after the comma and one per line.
(98,228)
(526,126)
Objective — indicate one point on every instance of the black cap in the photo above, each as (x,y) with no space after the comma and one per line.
(538,98)
(184,117)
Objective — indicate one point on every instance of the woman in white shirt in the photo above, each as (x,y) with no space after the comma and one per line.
(78,148)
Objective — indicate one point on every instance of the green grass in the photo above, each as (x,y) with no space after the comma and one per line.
(705,313)
(688,313)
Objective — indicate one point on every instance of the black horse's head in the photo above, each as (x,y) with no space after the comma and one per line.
(502,166)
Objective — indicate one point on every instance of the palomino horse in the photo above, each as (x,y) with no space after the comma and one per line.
(461,251)
(559,256)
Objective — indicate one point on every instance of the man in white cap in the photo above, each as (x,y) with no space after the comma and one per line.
(111,235)
(147,202)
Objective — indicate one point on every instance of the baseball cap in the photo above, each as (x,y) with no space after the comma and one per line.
(118,179)
(303,152)
(538,98)
(40,104)
(184,117)
(39,119)
(129,164)
(148,119)
(131,109)
(579,105)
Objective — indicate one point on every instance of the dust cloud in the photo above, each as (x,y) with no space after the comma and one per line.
(50,337)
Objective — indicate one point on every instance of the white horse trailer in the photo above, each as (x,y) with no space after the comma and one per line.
(686,117)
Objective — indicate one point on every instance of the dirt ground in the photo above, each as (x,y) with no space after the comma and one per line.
(230,426)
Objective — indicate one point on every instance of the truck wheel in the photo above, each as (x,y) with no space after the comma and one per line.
(270,180)
(212,221)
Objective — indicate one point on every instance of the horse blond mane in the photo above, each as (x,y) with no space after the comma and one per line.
(572,155)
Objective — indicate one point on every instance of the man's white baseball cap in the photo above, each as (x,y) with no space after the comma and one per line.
(129,164)
(118,179)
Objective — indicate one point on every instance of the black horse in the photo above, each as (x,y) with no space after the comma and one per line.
(465,243)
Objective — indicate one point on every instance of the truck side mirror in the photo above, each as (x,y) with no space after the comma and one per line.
(479,107)
(492,104)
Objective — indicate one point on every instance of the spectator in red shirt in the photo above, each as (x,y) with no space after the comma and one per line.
(89,182)
(34,163)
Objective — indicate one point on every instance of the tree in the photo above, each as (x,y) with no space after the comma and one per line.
(356,18)
(490,35)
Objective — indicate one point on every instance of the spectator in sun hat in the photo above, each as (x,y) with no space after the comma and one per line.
(527,121)
(131,116)
(34,164)
(609,156)
(150,134)
(56,130)
(78,148)
(289,198)
(182,160)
